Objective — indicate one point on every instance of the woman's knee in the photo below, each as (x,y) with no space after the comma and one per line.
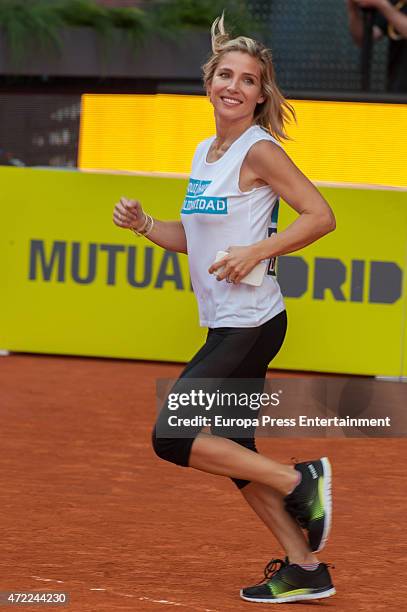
(174,450)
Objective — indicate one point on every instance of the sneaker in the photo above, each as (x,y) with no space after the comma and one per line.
(287,582)
(310,503)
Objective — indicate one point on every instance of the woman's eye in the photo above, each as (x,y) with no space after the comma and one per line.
(225,75)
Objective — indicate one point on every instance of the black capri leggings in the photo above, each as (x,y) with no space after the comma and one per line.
(229,352)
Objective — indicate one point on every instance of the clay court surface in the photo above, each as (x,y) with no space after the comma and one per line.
(87,508)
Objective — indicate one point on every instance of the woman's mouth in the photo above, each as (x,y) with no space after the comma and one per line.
(230,101)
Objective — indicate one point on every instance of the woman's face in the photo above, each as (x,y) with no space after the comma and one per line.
(235,88)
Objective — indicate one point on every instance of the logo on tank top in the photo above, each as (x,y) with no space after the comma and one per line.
(205,205)
(195,202)
(196,188)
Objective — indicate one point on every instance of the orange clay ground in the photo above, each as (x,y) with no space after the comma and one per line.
(87,507)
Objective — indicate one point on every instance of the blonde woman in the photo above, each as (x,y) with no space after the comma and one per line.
(236,180)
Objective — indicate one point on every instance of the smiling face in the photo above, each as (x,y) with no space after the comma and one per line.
(235,88)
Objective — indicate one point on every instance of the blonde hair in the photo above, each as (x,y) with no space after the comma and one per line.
(275,111)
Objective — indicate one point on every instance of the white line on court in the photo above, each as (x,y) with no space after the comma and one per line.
(47,579)
(97,589)
(150,599)
(175,603)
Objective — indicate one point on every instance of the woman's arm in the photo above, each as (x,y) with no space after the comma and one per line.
(269,163)
(315,219)
(395,17)
(169,235)
(356,23)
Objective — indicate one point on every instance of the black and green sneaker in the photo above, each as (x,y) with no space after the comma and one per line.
(285,582)
(311,503)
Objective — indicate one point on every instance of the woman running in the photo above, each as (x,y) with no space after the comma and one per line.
(237,178)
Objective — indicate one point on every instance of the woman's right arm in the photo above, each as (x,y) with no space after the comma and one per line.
(169,235)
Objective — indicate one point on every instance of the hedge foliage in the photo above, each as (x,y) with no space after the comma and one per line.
(40,21)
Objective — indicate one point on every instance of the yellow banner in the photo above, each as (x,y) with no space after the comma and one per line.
(73,283)
(350,142)
(346,294)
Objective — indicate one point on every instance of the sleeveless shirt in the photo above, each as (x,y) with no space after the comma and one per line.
(216,214)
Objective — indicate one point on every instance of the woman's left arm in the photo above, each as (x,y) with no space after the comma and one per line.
(270,163)
(315,219)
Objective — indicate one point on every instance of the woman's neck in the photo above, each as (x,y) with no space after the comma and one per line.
(227,133)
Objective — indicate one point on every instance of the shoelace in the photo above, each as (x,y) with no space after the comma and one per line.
(275,565)
(272,568)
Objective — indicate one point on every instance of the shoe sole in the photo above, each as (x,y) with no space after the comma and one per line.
(322,595)
(327,493)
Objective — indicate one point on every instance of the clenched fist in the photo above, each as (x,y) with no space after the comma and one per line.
(129,214)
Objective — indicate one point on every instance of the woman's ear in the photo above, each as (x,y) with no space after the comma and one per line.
(261,99)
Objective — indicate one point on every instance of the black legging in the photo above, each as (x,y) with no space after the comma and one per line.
(229,352)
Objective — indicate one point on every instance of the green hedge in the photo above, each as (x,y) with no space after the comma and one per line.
(39,21)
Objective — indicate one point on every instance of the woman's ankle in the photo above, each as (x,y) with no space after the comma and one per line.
(303,559)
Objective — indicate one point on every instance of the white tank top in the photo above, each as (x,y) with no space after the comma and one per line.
(216,215)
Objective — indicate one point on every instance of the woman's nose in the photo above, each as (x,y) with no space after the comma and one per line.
(233,86)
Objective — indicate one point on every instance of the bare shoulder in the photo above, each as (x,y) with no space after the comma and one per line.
(264,151)
(266,157)
(264,146)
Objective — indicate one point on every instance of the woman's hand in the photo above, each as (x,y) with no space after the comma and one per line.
(236,265)
(128,214)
